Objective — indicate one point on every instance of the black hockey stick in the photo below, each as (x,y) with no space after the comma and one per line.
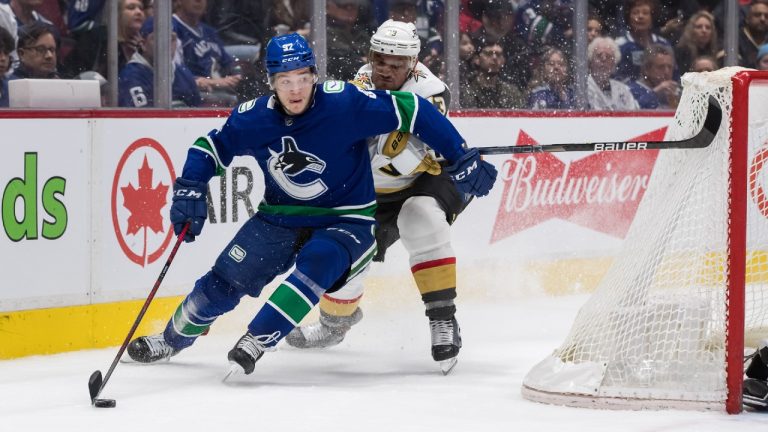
(95,383)
(702,139)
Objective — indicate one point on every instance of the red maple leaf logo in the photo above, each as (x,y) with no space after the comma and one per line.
(145,203)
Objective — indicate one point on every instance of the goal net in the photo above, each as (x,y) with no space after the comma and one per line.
(668,324)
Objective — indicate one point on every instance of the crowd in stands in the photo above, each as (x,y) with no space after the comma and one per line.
(513,54)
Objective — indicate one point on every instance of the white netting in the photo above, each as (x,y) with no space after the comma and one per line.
(654,330)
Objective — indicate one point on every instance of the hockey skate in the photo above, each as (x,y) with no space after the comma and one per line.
(327,332)
(150,349)
(755,394)
(446,342)
(247,351)
(755,389)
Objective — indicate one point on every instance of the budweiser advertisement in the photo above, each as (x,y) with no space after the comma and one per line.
(601,191)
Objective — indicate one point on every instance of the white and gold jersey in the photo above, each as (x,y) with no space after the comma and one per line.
(398,158)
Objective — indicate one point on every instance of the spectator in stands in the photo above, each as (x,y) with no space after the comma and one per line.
(604,93)
(699,38)
(90,53)
(129,39)
(761,61)
(487,89)
(542,24)
(611,14)
(8,22)
(290,16)
(7,46)
(754,33)
(498,19)
(89,38)
(204,54)
(347,38)
(241,25)
(149,8)
(37,52)
(704,63)
(136,80)
(594,28)
(466,59)
(554,91)
(657,89)
(431,40)
(25,12)
(639,15)
(469,16)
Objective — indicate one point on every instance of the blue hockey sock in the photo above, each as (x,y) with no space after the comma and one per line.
(286,307)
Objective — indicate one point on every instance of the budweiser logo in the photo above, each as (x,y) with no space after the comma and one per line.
(601,191)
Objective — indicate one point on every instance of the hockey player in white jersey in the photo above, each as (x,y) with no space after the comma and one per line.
(417,202)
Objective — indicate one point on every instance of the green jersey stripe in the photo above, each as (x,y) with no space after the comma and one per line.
(360,265)
(407,105)
(287,300)
(205,145)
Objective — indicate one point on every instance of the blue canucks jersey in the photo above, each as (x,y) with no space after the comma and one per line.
(136,85)
(631,61)
(543,97)
(316,165)
(82,14)
(202,49)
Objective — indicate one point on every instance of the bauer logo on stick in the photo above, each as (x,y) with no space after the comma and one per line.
(621,146)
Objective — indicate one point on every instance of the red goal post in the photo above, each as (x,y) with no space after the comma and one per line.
(666,326)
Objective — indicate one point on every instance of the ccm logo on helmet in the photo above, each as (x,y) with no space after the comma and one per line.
(290,59)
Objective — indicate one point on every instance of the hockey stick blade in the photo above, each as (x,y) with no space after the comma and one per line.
(702,139)
(96,382)
(94,388)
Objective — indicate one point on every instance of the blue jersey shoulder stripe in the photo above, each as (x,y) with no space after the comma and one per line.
(206,145)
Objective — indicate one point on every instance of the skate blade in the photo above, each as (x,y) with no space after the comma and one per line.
(234,371)
(447,365)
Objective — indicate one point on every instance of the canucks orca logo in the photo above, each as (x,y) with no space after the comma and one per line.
(291,162)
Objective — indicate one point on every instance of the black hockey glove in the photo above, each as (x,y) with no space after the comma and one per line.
(472,175)
(189,205)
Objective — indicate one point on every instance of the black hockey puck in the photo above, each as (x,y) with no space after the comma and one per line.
(104,403)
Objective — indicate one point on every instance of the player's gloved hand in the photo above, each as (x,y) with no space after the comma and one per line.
(472,175)
(189,206)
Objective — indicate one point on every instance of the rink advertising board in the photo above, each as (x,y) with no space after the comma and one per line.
(86,197)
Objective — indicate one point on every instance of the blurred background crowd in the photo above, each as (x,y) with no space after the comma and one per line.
(513,54)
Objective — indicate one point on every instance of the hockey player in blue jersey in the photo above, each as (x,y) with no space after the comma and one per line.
(319,202)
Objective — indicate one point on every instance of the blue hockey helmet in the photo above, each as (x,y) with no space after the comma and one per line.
(289,52)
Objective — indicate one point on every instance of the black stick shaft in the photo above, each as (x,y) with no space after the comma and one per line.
(144,308)
(702,139)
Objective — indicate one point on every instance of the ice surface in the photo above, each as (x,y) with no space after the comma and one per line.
(381,378)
